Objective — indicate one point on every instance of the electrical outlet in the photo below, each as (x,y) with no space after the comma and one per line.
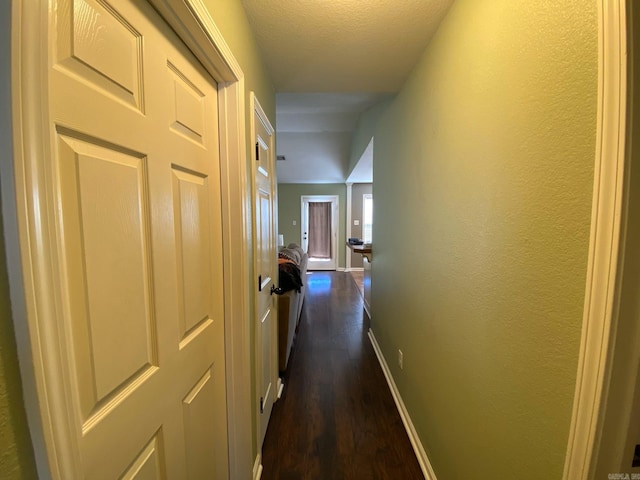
(400,359)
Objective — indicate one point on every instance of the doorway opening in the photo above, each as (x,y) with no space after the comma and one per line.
(319,229)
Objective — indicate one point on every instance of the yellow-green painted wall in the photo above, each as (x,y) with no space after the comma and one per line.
(16,454)
(289,210)
(230,18)
(365,130)
(483,173)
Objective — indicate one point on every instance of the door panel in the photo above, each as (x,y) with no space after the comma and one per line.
(149,464)
(266,271)
(106,225)
(192,241)
(189,107)
(139,215)
(100,47)
(200,427)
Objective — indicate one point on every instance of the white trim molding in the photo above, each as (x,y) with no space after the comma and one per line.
(349,229)
(257,467)
(279,388)
(335,230)
(602,283)
(421,454)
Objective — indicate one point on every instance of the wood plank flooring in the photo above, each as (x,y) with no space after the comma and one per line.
(336,418)
(358,277)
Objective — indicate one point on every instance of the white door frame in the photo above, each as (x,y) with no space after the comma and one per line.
(603,280)
(335,214)
(29,233)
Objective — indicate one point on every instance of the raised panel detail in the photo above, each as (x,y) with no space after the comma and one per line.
(149,464)
(263,158)
(191,210)
(263,234)
(189,106)
(267,359)
(199,415)
(106,238)
(265,231)
(100,47)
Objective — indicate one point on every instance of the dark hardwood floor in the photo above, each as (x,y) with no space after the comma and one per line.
(336,418)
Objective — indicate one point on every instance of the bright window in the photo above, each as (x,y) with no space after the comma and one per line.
(367,216)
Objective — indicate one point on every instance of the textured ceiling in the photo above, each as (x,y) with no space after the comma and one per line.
(342,45)
(322,112)
(330,60)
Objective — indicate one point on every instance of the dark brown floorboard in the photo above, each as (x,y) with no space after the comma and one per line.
(336,418)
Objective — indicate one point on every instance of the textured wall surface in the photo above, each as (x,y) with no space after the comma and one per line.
(231,20)
(289,210)
(483,171)
(367,124)
(334,47)
(16,453)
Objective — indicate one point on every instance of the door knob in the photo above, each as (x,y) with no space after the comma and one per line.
(276,290)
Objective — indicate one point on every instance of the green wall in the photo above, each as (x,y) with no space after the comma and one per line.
(483,173)
(16,454)
(365,130)
(289,210)
(230,18)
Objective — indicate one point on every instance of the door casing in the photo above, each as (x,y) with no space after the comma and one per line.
(304,225)
(603,279)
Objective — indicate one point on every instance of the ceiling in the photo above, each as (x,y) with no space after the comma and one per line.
(331,60)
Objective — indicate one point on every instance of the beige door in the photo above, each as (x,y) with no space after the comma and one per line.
(136,181)
(266,271)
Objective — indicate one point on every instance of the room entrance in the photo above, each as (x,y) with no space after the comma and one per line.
(320,230)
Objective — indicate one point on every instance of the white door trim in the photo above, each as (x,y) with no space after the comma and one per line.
(349,226)
(335,222)
(602,284)
(29,231)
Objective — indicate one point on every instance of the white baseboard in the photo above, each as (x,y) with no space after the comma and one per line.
(280,388)
(423,460)
(355,269)
(340,269)
(257,467)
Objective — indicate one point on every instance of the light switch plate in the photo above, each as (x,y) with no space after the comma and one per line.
(356,222)
(294,222)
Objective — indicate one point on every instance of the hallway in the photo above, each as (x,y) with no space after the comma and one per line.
(336,418)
